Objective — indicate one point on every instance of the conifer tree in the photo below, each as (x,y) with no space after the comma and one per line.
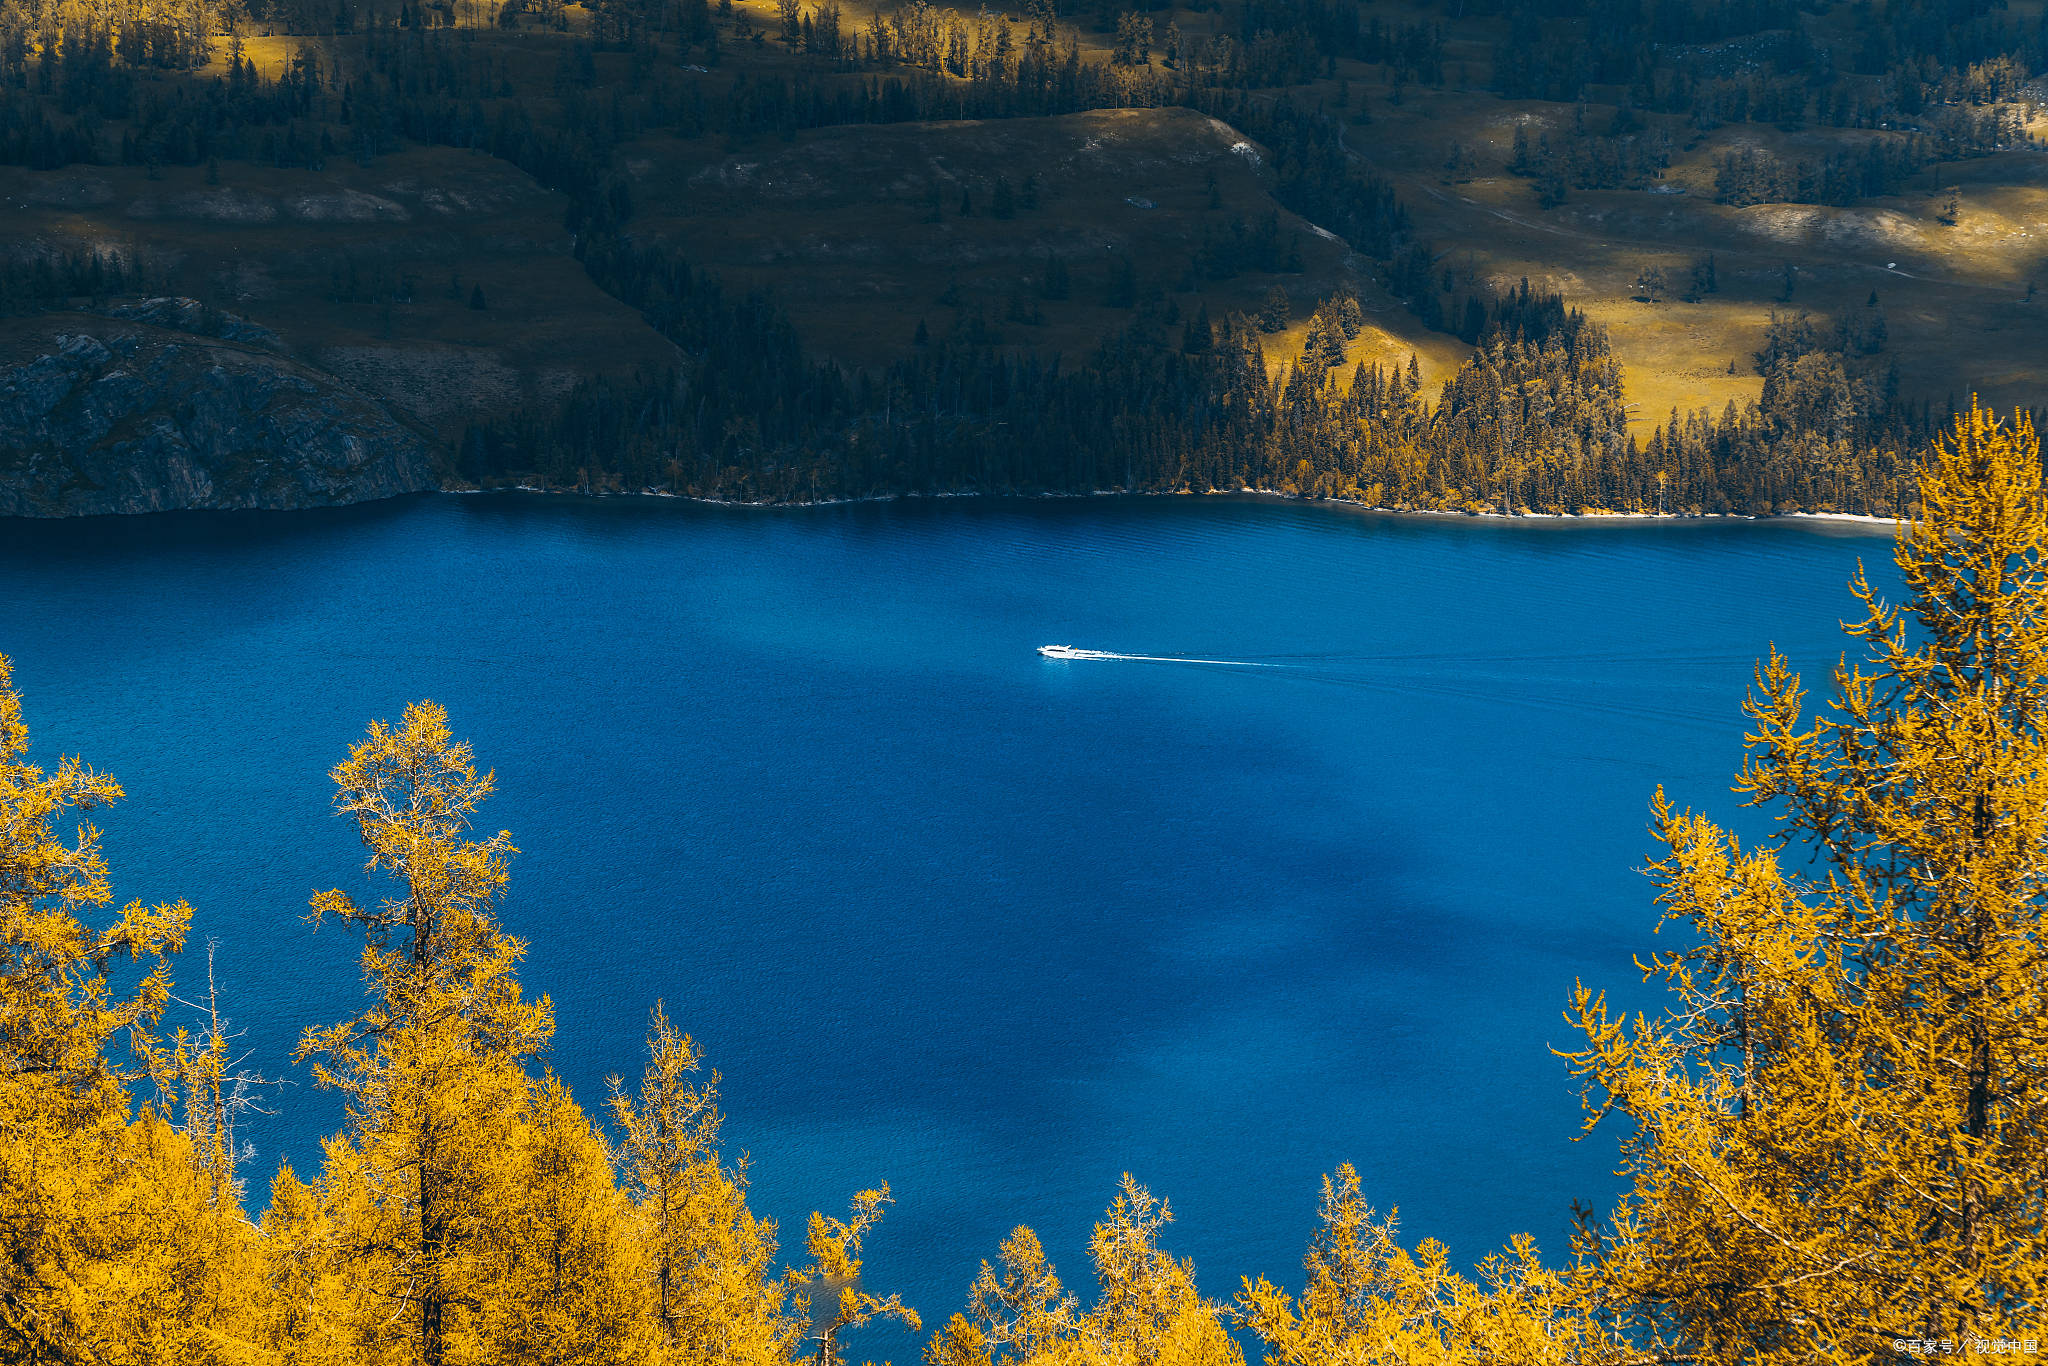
(568,1284)
(299,1287)
(832,1281)
(1840,1131)
(1147,1309)
(1370,1300)
(116,1245)
(200,1074)
(1022,1312)
(708,1259)
(433,1067)
(61,1012)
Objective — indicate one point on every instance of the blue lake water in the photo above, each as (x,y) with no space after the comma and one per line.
(991,927)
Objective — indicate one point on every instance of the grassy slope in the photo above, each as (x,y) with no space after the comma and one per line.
(836,224)
(1953,296)
(272,245)
(839,223)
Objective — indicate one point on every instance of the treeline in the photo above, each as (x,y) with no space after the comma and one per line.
(85,82)
(473,1210)
(1314,172)
(1757,175)
(749,416)
(1950,79)
(1625,156)
(60,89)
(1411,51)
(1534,422)
(34,279)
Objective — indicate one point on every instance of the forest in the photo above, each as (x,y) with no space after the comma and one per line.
(1170,398)
(1831,1140)
(1533,422)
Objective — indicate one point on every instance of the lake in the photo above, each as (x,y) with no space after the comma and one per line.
(991,927)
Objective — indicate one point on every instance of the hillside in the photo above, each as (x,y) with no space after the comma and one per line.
(1955,296)
(634,243)
(372,274)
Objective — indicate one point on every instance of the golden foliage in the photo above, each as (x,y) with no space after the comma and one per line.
(1147,1309)
(1841,1129)
(830,1284)
(112,1248)
(60,1011)
(1369,1301)
(714,1291)
(470,1213)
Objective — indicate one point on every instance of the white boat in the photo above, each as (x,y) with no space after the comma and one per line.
(1068,652)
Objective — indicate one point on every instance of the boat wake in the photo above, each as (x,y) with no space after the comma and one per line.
(1596,683)
(1074,652)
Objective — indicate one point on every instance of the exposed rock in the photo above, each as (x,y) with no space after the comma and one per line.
(100,415)
(189,315)
(217,204)
(346,206)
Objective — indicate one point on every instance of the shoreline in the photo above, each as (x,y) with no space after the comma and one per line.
(1843,520)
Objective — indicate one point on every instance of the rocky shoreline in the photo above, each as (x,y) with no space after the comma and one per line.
(166,405)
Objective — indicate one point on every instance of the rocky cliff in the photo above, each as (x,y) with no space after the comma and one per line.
(174,406)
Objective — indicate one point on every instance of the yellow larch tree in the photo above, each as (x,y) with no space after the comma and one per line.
(116,1246)
(1838,1142)
(200,1074)
(1022,1312)
(1147,1311)
(1147,1308)
(1371,1302)
(708,1266)
(567,1287)
(422,1244)
(830,1285)
(298,1297)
